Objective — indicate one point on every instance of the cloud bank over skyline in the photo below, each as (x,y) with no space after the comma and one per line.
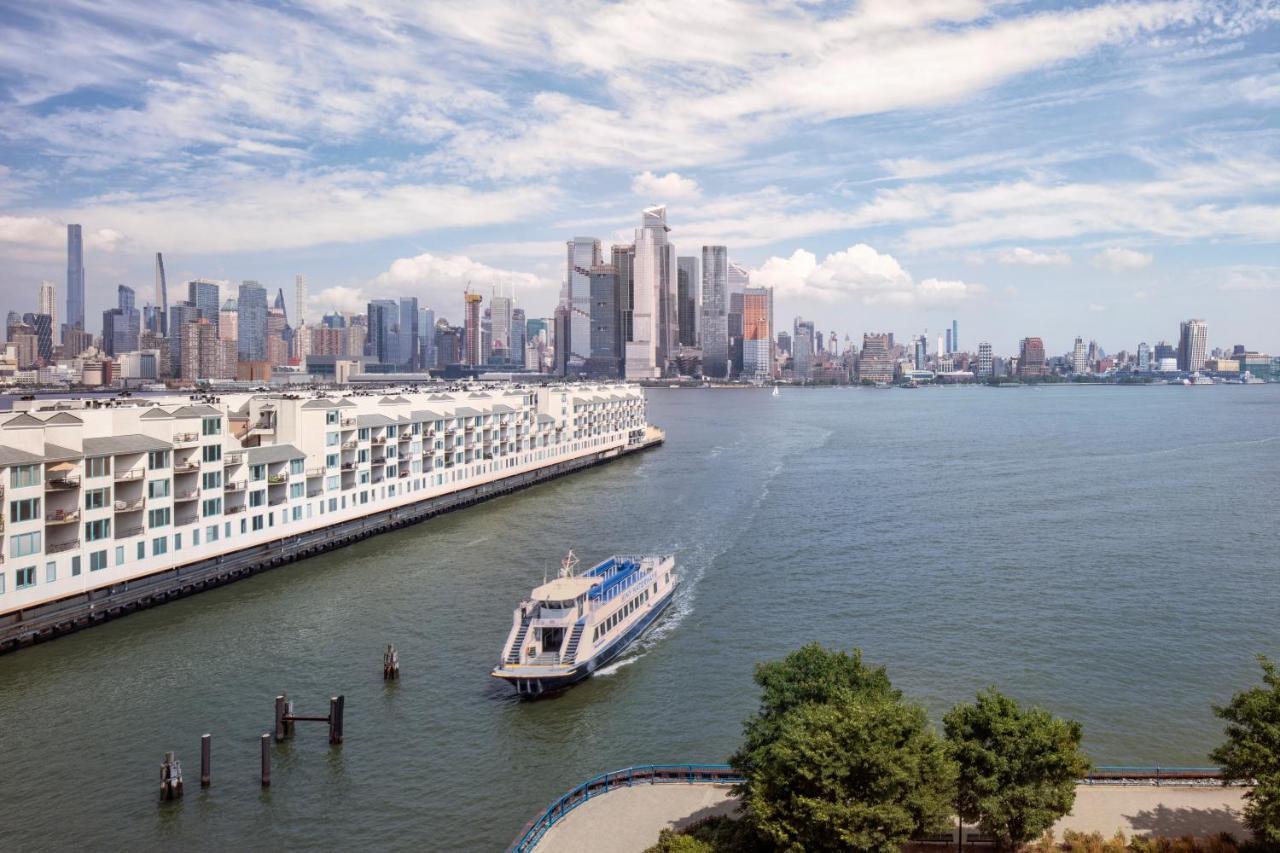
(885,165)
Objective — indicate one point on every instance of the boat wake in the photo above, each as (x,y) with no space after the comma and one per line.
(613,668)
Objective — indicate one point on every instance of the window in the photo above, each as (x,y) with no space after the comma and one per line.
(159,545)
(257,472)
(391,431)
(331,460)
(258,498)
(119,555)
(97,561)
(97,498)
(257,522)
(195,536)
(391,451)
(296,489)
(331,482)
(211,452)
(158,489)
(211,426)
(211,480)
(297,513)
(158,517)
(142,550)
(177,541)
(23,578)
(75,566)
(24,544)
(97,466)
(295,466)
(331,439)
(95,530)
(158,459)
(363,455)
(50,572)
(364,433)
(211,533)
(331,416)
(212,506)
(24,510)
(24,475)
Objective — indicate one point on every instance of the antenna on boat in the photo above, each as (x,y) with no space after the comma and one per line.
(568,564)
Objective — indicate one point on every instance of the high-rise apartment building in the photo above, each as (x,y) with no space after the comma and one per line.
(920,351)
(408,343)
(384,322)
(1079,357)
(500,322)
(715,312)
(300,300)
(1031,358)
(1192,343)
(757,332)
(75,277)
(201,356)
(251,336)
(473,346)
(688,285)
(875,362)
(1144,357)
(653,320)
(955,336)
(802,343)
(735,332)
(986,365)
(121,325)
(47,302)
(607,345)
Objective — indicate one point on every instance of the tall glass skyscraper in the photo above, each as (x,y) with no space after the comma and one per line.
(251,343)
(653,299)
(583,253)
(688,286)
(407,334)
(75,278)
(715,312)
(384,320)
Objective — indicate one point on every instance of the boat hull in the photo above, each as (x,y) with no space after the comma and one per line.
(533,685)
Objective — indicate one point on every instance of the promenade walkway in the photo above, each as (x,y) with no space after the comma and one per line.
(627,820)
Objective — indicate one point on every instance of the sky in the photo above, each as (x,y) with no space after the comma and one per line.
(1057,169)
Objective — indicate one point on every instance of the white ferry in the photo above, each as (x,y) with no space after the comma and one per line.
(577,623)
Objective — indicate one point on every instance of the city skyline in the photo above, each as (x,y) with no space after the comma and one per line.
(1023,172)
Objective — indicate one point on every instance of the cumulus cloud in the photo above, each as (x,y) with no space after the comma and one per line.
(1251,278)
(1032,258)
(858,272)
(669,187)
(1119,259)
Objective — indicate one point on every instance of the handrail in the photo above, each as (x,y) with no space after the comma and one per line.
(724,774)
(626,777)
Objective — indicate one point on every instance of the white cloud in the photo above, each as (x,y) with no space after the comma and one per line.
(857,272)
(1250,278)
(1029,257)
(1096,308)
(665,188)
(1119,259)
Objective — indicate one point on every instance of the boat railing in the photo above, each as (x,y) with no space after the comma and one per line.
(610,593)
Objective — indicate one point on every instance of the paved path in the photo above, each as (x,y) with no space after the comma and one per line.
(627,820)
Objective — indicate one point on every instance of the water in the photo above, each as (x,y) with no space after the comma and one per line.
(1107,552)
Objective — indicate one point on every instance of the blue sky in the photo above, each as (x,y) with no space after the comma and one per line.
(1060,169)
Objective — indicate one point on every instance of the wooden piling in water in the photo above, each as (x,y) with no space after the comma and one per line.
(170,778)
(205,754)
(335,718)
(266,759)
(280,715)
(390,663)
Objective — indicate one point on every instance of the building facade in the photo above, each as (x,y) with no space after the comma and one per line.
(715,312)
(757,333)
(1031,361)
(1193,342)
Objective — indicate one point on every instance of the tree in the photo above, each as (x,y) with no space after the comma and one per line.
(1252,751)
(1017,766)
(837,760)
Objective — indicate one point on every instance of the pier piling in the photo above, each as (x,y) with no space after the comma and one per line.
(390,664)
(280,715)
(205,753)
(266,759)
(170,778)
(335,718)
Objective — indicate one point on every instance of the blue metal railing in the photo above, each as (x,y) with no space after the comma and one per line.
(624,778)
(724,774)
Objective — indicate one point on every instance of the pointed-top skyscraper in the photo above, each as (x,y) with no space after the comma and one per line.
(162,293)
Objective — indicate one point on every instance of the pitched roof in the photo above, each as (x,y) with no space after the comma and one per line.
(320,403)
(500,409)
(198,411)
(24,420)
(155,414)
(373,420)
(274,453)
(131,443)
(345,404)
(425,415)
(467,412)
(54,453)
(14,456)
(63,418)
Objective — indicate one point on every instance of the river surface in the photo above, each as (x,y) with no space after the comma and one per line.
(1109,553)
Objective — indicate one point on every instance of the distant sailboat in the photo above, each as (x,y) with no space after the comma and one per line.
(775,391)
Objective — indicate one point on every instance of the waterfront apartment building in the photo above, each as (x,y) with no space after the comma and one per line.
(97,493)
(986,364)
(757,332)
(1193,341)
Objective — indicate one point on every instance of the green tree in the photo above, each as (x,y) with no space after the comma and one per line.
(837,760)
(1252,751)
(1017,766)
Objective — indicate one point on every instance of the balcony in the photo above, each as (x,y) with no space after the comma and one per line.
(315,472)
(233,510)
(130,474)
(348,466)
(59,547)
(278,479)
(57,484)
(277,501)
(378,440)
(315,493)
(233,459)
(234,486)
(348,422)
(130,506)
(187,495)
(349,445)
(190,467)
(62,517)
(186,438)
(128,532)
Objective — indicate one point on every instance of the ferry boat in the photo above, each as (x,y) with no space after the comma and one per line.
(575,624)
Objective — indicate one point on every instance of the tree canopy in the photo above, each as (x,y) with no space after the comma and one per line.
(1017,766)
(1252,751)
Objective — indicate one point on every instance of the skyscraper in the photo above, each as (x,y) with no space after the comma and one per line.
(582,254)
(955,336)
(1144,357)
(802,340)
(737,277)
(206,297)
(300,300)
(986,366)
(516,345)
(1079,357)
(47,303)
(920,351)
(121,325)
(606,323)
(472,345)
(757,332)
(1031,357)
(408,343)
(251,334)
(384,321)
(688,285)
(427,337)
(1192,343)
(75,278)
(500,309)
(162,294)
(948,350)
(715,312)
(652,310)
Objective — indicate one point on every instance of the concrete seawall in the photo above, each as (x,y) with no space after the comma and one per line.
(53,619)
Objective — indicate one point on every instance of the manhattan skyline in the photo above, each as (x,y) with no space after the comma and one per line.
(1104,171)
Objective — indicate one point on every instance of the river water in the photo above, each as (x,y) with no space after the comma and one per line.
(1109,553)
